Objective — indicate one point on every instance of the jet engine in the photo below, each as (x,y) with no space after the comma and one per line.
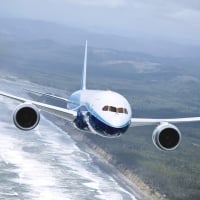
(166,137)
(26,116)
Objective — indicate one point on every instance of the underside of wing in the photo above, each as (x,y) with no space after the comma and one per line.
(146,121)
(67,114)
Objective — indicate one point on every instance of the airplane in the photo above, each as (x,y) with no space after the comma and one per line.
(102,112)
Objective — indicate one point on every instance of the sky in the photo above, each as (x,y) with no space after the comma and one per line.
(174,20)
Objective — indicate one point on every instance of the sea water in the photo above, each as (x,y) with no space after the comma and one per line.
(46,164)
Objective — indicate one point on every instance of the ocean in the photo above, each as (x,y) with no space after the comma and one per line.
(46,164)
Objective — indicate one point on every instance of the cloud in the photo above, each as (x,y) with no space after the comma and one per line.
(185,4)
(172,18)
(91,3)
(186,14)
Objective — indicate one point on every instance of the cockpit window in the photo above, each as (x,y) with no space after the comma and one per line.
(125,111)
(114,109)
(120,110)
(105,108)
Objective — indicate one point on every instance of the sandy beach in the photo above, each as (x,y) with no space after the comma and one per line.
(131,182)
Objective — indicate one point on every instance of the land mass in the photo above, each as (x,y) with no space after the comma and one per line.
(126,177)
(155,87)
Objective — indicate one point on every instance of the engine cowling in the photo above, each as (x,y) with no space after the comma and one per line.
(166,137)
(26,116)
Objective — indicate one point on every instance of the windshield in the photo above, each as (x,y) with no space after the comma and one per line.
(114,109)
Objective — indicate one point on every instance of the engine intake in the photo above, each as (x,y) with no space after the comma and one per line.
(26,116)
(166,137)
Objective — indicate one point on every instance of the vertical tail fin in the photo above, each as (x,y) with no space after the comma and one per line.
(84,72)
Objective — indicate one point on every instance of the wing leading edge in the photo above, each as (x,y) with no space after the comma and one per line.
(146,121)
(69,115)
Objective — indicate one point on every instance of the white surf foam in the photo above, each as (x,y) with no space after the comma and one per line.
(84,167)
(31,172)
(59,170)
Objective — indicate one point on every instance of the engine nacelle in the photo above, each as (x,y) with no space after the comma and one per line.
(166,137)
(26,116)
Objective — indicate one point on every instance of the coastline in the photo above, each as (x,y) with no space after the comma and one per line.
(125,177)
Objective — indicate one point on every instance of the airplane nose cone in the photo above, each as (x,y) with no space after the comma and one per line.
(118,121)
(112,109)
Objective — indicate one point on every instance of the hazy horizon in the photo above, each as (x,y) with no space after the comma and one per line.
(174,21)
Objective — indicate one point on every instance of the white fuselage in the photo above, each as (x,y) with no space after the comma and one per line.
(103,112)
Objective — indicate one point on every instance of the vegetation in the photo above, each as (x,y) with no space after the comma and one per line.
(155,87)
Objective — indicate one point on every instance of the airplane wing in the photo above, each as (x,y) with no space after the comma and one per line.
(146,121)
(64,113)
(48,95)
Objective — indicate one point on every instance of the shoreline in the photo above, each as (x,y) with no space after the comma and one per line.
(125,177)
